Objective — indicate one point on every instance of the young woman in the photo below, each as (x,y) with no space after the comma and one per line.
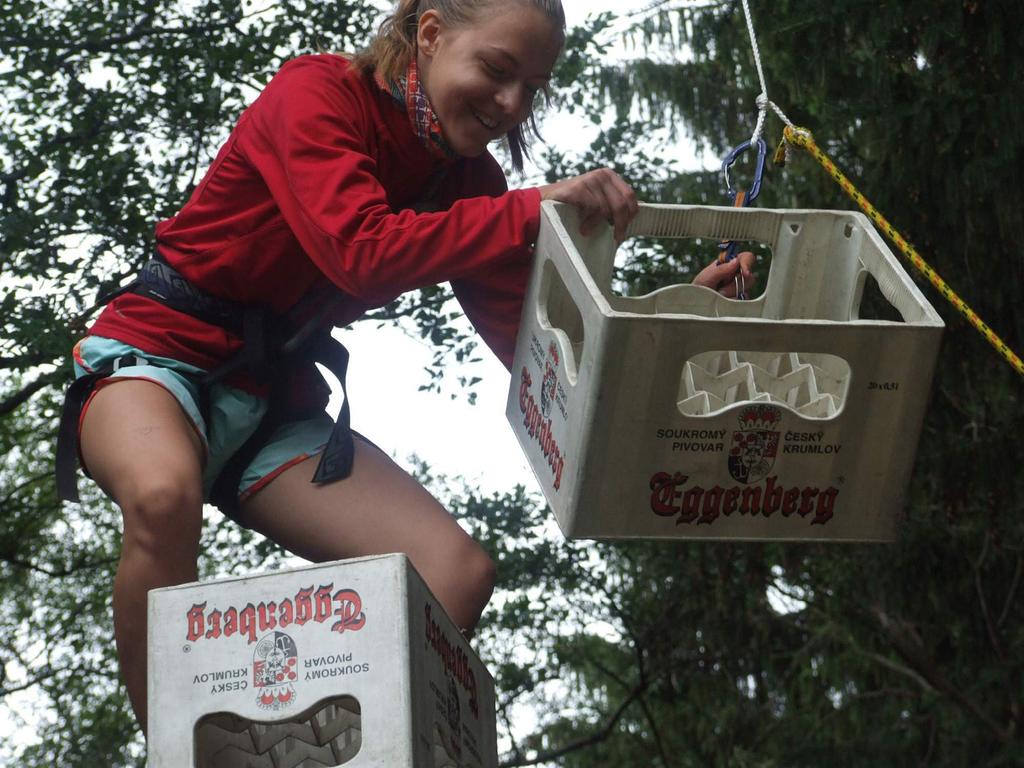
(346,183)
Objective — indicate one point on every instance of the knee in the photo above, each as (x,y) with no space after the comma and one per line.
(484,573)
(472,575)
(162,514)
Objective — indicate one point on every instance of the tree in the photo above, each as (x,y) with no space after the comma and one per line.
(639,654)
(112,111)
(884,655)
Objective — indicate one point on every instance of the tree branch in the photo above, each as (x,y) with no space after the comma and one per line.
(508,700)
(54,143)
(15,400)
(1011,594)
(595,738)
(659,6)
(902,670)
(107,44)
(884,693)
(933,729)
(29,683)
(53,572)
(22,486)
(504,714)
(55,672)
(645,681)
(929,676)
(24,361)
(986,615)
(655,732)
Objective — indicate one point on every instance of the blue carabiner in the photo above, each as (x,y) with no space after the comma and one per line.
(729,248)
(730,159)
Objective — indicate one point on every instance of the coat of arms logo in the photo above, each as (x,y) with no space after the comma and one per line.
(549,384)
(755,444)
(275,669)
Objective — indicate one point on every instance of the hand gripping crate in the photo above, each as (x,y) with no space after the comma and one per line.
(684,414)
(350,663)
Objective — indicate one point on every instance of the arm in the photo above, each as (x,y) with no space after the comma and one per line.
(493,302)
(309,137)
(492,298)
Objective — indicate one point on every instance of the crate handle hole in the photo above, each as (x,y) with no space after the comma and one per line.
(329,733)
(557,312)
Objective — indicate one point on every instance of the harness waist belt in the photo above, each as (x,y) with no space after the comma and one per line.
(160,281)
(263,355)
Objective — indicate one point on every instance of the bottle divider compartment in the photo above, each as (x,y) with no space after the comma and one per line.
(326,735)
(812,385)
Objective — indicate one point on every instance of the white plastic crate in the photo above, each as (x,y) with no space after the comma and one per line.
(683,414)
(350,663)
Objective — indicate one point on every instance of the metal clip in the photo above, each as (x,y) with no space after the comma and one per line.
(740,199)
(127,361)
(755,188)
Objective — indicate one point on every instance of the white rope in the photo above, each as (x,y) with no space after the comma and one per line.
(763,102)
(757,51)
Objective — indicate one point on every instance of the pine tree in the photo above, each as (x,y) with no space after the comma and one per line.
(885,655)
(629,654)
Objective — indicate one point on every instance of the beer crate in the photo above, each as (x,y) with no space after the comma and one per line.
(684,414)
(349,663)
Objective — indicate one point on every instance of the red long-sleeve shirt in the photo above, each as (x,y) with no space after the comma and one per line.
(317,181)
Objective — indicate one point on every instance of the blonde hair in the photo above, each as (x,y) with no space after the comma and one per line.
(394,46)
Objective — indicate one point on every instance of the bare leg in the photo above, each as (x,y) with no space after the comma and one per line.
(143,452)
(378,509)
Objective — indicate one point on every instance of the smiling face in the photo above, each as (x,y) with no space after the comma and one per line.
(482,78)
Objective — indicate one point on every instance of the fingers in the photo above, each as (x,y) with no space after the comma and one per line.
(715,274)
(722,276)
(620,201)
(589,221)
(604,196)
(600,195)
(747,261)
(592,202)
(728,290)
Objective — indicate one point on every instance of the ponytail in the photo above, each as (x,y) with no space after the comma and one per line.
(390,52)
(394,46)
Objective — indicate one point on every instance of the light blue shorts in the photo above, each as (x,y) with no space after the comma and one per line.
(233,414)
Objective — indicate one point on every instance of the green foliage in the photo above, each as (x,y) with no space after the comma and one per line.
(111,112)
(896,655)
(637,654)
(114,110)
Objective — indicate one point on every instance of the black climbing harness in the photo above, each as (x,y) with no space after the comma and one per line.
(268,353)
